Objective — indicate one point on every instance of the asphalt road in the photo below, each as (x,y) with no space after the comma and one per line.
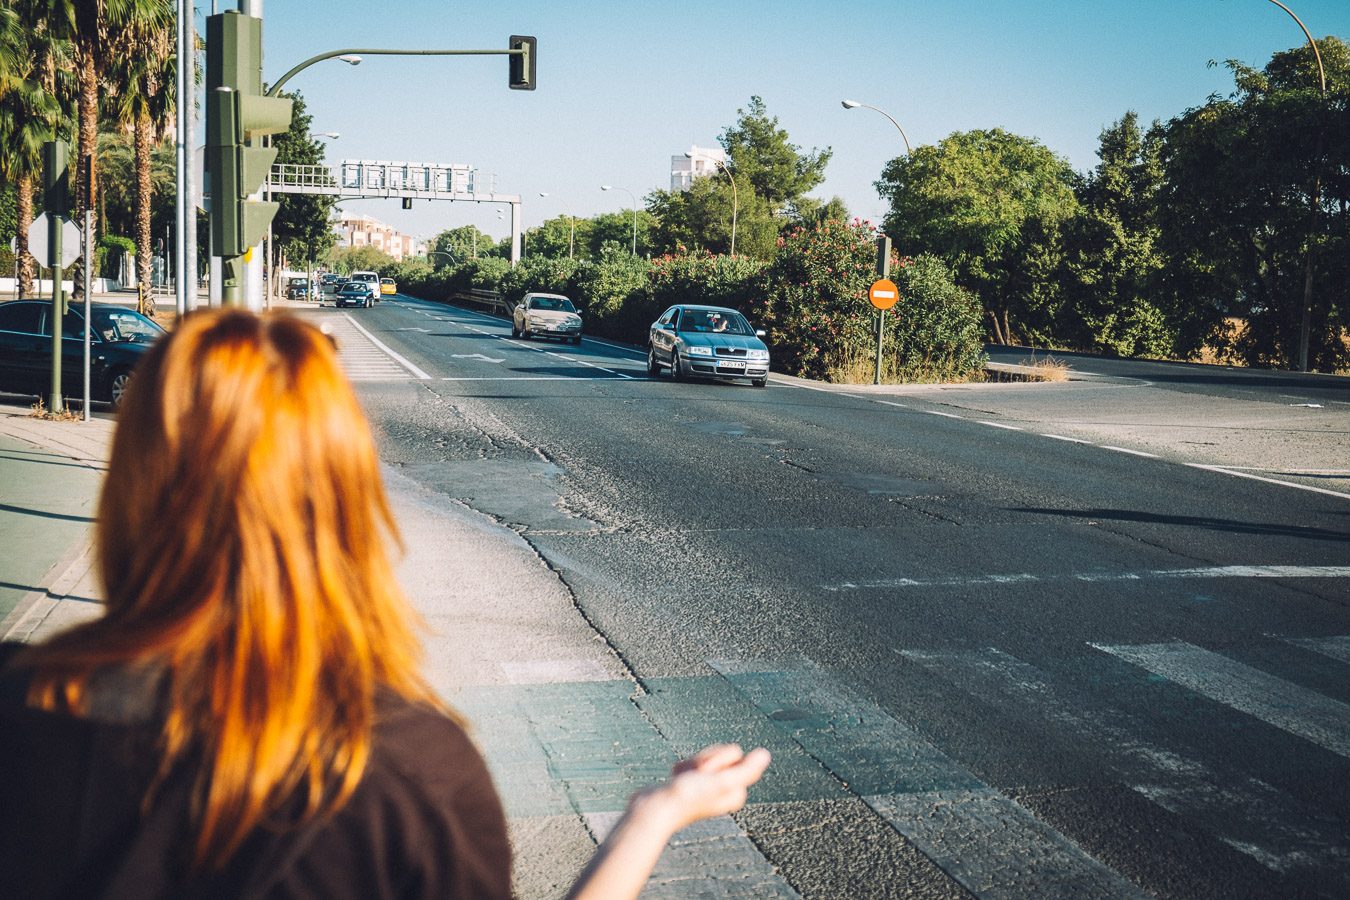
(1079,640)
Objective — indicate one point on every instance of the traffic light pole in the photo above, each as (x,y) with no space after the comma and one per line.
(55,181)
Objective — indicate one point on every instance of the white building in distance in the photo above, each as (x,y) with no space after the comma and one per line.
(700,161)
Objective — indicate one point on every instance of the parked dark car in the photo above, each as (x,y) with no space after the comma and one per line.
(353,293)
(120,338)
(709,341)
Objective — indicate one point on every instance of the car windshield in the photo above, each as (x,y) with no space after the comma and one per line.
(715,321)
(125,325)
(557,304)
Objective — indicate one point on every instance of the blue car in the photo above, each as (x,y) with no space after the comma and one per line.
(707,341)
(353,293)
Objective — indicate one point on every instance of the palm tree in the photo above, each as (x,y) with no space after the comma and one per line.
(36,106)
(98,32)
(144,77)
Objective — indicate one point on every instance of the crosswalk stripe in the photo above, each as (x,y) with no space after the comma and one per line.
(1029,858)
(1335,647)
(1248,814)
(1288,706)
(925,795)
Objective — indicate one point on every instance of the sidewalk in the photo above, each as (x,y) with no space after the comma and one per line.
(554,709)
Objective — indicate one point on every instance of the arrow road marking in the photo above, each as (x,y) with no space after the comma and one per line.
(477,356)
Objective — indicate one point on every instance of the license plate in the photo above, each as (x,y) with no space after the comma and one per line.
(731,364)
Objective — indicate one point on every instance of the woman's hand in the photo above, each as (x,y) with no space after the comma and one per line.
(710,783)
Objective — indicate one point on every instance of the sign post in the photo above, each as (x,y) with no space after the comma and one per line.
(883,294)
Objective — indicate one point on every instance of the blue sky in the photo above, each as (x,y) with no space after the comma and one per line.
(624,86)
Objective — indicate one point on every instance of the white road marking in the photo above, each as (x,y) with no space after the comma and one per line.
(1226,470)
(615,377)
(491,359)
(1129,451)
(1334,647)
(987,841)
(999,425)
(1287,706)
(1251,815)
(892,403)
(1071,440)
(1027,578)
(417,373)
(1028,859)
(944,414)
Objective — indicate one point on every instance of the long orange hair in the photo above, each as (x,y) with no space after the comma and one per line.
(241,542)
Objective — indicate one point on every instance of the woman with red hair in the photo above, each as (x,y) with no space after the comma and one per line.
(247,718)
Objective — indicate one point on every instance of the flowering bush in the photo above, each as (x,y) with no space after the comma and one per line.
(813,297)
(821,324)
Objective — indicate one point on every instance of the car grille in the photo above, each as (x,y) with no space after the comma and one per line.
(729,351)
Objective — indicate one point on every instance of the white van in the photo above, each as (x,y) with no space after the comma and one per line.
(371,280)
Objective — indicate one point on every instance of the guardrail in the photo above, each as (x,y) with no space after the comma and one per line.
(491,301)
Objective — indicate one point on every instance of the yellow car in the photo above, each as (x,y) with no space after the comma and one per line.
(387,286)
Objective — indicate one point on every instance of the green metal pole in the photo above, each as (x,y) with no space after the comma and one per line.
(55,180)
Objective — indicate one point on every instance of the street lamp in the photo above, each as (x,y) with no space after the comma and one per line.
(331,135)
(851,104)
(571,239)
(606,187)
(735,202)
(1306,328)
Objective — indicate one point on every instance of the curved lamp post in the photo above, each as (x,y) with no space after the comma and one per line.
(850,104)
(1306,329)
(608,187)
(735,202)
(331,135)
(572,236)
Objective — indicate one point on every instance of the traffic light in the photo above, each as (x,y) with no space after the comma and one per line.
(237,118)
(521,72)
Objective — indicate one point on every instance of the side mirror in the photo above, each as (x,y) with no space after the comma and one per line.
(760,333)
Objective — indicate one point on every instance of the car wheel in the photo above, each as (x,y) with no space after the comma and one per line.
(676,373)
(653,367)
(515,332)
(760,382)
(118,382)
(577,340)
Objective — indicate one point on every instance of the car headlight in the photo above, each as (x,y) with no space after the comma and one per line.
(574,320)
(700,351)
(757,354)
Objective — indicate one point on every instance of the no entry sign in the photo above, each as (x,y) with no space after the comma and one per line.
(883,293)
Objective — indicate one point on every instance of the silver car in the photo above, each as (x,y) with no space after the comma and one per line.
(708,341)
(546,315)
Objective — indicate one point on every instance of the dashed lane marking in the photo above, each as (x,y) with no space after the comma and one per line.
(1146,575)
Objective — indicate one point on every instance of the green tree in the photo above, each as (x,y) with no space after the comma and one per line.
(302,228)
(358,259)
(1242,176)
(1112,264)
(142,98)
(761,157)
(454,246)
(992,204)
(614,232)
(98,33)
(559,237)
(37,103)
(701,218)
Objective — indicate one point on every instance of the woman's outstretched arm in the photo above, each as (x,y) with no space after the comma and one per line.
(710,783)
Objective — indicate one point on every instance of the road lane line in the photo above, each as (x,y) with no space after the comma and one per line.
(999,425)
(616,377)
(1145,575)
(1071,440)
(1129,451)
(1223,470)
(1283,704)
(418,373)
(945,415)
